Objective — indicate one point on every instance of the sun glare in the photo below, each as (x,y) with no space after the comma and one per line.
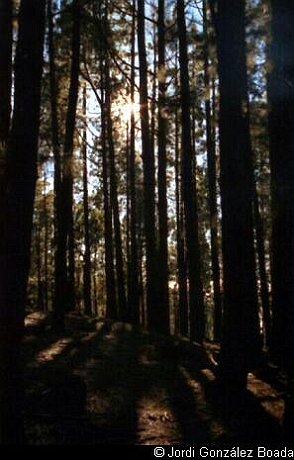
(123,109)
(128,108)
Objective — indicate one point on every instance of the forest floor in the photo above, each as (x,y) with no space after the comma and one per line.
(106,383)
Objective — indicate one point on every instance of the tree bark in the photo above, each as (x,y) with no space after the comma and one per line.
(68,150)
(119,261)
(240,344)
(111,311)
(59,250)
(5,69)
(133,275)
(281,117)
(264,291)
(163,273)
(5,87)
(149,177)
(183,316)
(38,240)
(212,198)
(65,289)
(111,302)
(196,304)
(46,241)
(87,287)
(21,175)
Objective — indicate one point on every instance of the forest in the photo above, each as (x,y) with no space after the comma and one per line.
(147,222)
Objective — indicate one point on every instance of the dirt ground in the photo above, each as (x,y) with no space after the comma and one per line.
(103,383)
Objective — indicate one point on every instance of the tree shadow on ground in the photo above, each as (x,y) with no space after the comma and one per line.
(98,364)
(189,410)
(116,385)
(241,413)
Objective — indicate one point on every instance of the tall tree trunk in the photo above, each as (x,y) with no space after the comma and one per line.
(46,240)
(95,287)
(281,118)
(264,291)
(60,248)
(65,242)
(38,239)
(193,80)
(163,278)
(133,275)
(196,304)
(120,275)
(183,314)
(87,291)
(240,344)
(212,197)
(128,220)
(113,187)
(183,317)
(111,310)
(154,92)
(68,150)
(142,297)
(5,87)
(149,177)
(5,69)
(111,303)
(21,175)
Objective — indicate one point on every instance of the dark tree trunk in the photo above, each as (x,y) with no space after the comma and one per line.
(149,177)
(196,304)
(38,239)
(46,240)
(142,298)
(193,80)
(140,241)
(119,262)
(183,318)
(5,87)
(154,92)
(240,345)
(21,175)
(68,158)
(133,275)
(111,311)
(264,291)
(163,275)
(181,257)
(95,288)
(281,120)
(65,289)
(5,69)
(60,249)
(212,196)
(87,288)
(128,221)
(111,304)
